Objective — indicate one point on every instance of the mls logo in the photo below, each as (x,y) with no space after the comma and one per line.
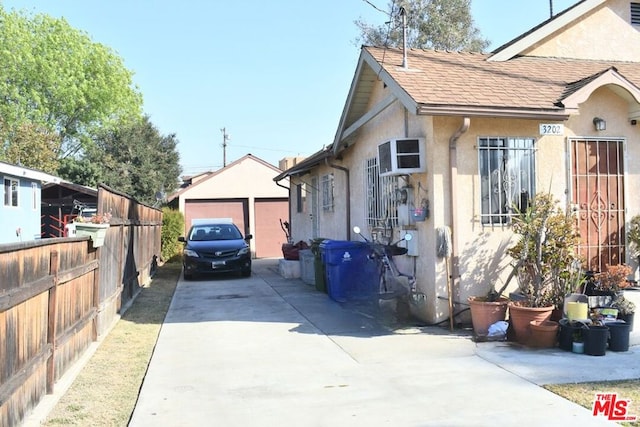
(612,407)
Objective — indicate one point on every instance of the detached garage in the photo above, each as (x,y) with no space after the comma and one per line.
(244,191)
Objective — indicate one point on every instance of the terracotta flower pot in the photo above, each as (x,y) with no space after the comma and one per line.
(521,317)
(544,334)
(486,313)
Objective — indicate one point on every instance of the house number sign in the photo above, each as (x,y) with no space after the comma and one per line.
(551,129)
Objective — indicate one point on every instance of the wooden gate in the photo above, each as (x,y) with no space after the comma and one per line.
(597,180)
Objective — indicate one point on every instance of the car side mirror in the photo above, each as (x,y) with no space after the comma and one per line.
(182,239)
(248,237)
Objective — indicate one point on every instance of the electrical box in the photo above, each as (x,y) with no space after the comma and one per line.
(411,245)
(404,197)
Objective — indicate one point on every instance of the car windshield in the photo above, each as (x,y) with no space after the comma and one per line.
(214,232)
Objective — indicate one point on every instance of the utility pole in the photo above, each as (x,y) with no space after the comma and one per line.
(225,138)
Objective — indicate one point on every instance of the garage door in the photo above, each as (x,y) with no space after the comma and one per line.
(269,236)
(234,209)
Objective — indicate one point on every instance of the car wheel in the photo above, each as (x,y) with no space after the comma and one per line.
(245,272)
(188,276)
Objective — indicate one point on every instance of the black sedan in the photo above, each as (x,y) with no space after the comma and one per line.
(215,247)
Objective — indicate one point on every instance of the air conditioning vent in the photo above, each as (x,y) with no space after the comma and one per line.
(401,156)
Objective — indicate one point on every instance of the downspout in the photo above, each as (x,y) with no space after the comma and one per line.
(280,185)
(290,207)
(453,165)
(348,194)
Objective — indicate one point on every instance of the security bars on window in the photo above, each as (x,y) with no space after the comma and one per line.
(381,205)
(326,183)
(507,180)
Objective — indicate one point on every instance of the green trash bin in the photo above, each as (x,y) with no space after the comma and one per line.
(318,265)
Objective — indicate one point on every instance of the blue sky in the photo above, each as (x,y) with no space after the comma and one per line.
(274,74)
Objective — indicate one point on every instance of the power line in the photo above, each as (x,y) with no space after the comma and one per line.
(376,7)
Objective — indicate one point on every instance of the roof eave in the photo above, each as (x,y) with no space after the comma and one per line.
(520,113)
(306,165)
(345,132)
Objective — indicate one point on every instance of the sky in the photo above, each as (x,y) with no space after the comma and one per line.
(274,75)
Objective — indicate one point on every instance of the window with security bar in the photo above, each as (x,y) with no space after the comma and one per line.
(326,183)
(381,205)
(507,177)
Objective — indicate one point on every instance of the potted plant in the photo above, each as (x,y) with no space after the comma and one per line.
(634,236)
(607,284)
(626,309)
(485,311)
(544,262)
(95,227)
(577,345)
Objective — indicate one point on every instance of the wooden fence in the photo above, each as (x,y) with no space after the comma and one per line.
(59,295)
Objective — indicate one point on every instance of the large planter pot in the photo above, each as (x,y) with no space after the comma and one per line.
(486,313)
(627,318)
(569,330)
(618,336)
(521,317)
(595,340)
(96,232)
(544,334)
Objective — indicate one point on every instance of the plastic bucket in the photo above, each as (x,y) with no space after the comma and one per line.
(577,310)
(595,340)
(619,339)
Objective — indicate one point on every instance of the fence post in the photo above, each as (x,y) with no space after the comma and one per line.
(54,265)
(96,298)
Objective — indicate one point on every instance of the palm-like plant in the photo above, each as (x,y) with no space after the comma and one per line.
(545,258)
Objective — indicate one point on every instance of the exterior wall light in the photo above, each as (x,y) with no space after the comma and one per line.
(599,123)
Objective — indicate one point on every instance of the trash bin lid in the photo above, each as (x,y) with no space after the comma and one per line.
(341,244)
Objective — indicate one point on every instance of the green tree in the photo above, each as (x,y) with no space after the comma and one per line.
(57,80)
(31,146)
(431,24)
(82,171)
(136,159)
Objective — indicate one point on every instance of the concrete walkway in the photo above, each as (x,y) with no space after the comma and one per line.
(268,351)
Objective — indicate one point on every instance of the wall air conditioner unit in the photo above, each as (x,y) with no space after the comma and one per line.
(401,156)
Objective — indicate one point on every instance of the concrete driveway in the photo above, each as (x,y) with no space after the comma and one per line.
(269,351)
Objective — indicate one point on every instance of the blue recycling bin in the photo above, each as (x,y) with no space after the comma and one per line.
(350,274)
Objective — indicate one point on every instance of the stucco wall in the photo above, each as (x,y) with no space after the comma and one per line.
(482,261)
(590,37)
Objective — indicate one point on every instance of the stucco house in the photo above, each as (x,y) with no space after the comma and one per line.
(437,143)
(21,202)
(243,190)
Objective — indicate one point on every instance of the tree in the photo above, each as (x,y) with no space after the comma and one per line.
(31,146)
(136,159)
(81,171)
(431,24)
(56,80)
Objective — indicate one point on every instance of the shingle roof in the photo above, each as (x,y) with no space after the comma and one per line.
(450,79)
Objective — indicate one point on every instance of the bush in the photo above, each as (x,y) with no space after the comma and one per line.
(172,228)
